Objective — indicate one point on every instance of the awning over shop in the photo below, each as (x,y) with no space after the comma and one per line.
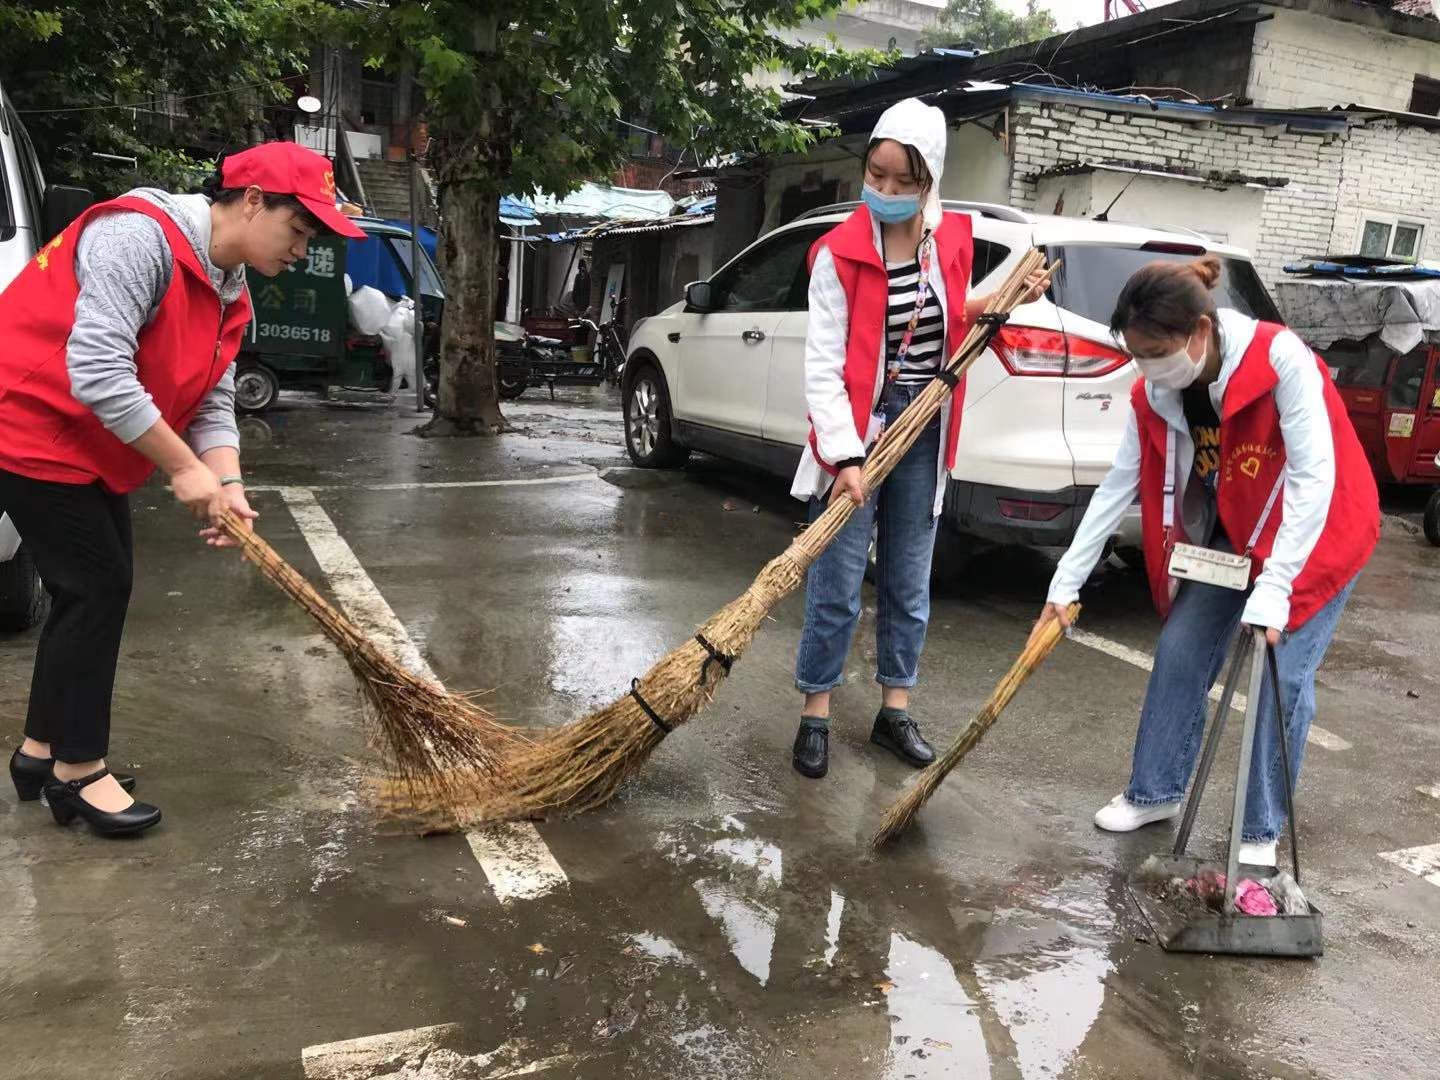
(602,202)
(514,212)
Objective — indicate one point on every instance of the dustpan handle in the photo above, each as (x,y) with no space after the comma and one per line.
(1284,727)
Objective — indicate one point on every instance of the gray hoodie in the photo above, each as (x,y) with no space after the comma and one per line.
(123,265)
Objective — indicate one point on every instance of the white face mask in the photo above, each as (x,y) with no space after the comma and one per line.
(1174,371)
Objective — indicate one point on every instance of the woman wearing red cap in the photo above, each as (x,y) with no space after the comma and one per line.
(120,341)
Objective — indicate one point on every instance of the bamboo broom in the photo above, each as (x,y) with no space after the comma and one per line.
(904,810)
(436,744)
(581,765)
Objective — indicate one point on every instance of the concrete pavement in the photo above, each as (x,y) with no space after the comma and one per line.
(724,918)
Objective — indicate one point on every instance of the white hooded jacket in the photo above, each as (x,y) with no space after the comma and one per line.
(912,123)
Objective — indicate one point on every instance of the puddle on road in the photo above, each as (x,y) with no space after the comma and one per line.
(934,1031)
(1020,977)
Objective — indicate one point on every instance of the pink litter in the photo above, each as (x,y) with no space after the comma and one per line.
(1253,898)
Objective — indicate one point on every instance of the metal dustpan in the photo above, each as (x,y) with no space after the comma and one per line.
(1231,930)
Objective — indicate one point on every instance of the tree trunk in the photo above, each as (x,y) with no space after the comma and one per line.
(471,166)
(469,403)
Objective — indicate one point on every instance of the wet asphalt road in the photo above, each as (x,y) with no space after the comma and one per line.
(725,917)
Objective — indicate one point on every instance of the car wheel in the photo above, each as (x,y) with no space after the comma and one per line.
(1432,519)
(23,600)
(649,438)
(256,388)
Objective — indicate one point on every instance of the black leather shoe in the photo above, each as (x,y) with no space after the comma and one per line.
(812,748)
(897,732)
(66,803)
(30,773)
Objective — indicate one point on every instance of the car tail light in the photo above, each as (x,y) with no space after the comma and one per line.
(1027,350)
(1029,510)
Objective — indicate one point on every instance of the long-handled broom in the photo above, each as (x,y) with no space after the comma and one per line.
(437,744)
(903,811)
(582,765)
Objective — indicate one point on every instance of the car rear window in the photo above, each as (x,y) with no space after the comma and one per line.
(1093,274)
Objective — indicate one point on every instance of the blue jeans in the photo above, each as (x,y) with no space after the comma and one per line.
(1193,647)
(902,515)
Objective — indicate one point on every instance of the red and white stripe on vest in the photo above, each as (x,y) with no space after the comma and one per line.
(180,356)
(1252,456)
(862,275)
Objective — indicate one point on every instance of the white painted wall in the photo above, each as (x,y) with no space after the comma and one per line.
(1230,215)
(976,168)
(1307,61)
(976,165)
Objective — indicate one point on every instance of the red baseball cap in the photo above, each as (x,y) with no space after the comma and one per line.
(287,168)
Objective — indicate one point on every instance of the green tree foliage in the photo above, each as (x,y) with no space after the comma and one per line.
(988,26)
(70,66)
(531,95)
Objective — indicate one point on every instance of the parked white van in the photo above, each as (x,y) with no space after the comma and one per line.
(31,212)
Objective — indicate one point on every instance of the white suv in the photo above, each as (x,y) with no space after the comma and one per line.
(722,370)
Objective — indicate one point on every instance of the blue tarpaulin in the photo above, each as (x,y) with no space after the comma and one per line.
(371,263)
(514,212)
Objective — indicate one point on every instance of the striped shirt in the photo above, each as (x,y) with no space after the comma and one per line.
(922,362)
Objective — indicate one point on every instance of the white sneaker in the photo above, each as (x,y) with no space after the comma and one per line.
(1122,815)
(1257,854)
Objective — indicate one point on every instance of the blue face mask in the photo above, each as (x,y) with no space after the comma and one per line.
(890,209)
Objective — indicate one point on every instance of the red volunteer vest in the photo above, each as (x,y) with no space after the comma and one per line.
(1252,453)
(867,296)
(180,355)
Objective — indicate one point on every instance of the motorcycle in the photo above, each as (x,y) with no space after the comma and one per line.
(523,360)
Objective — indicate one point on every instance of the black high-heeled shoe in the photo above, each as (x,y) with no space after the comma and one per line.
(30,773)
(66,803)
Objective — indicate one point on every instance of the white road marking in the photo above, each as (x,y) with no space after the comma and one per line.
(515,859)
(351,1059)
(1433,790)
(1421,861)
(417,1052)
(1318,735)
(539,481)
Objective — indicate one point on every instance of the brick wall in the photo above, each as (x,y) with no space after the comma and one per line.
(1304,61)
(1391,170)
(1297,219)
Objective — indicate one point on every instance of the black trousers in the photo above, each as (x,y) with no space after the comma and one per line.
(79,536)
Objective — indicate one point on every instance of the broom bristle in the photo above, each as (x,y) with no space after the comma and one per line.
(437,744)
(904,810)
(582,765)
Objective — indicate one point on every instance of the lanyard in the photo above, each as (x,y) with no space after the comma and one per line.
(922,295)
(1170,487)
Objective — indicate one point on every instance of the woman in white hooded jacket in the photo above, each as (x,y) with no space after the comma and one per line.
(888,305)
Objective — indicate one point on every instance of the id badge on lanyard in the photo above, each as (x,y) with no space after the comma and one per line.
(892,369)
(1192,562)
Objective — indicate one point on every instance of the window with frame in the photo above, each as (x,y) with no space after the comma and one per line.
(773,277)
(1389,236)
(377,101)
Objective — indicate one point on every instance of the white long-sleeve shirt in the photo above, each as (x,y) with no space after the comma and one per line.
(826,336)
(1309,472)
